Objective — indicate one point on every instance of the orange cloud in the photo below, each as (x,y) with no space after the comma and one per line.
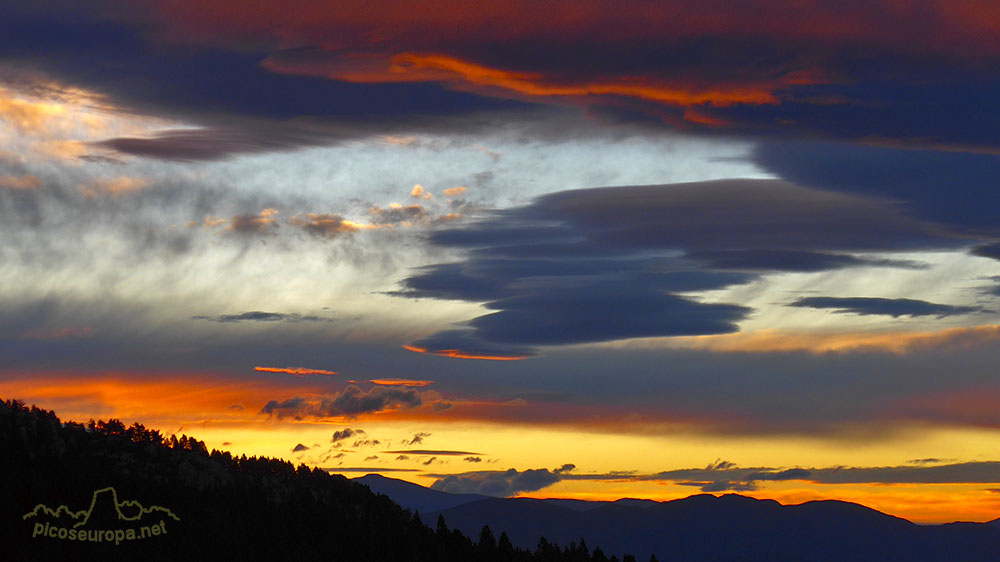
(465,74)
(264,221)
(28,116)
(400,382)
(418,191)
(24,182)
(162,400)
(115,186)
(693,115)
(765,341)
(330,225)
(297,371)
(451,42)
(455,191)
(462,355)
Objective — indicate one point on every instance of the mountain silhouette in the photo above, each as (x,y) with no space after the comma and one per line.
(728,527)
(414,496)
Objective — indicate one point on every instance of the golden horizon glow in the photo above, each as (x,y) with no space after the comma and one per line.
(203,407)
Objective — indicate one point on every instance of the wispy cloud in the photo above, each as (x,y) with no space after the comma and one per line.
(297,371)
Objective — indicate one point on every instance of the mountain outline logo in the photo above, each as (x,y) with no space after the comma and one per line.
(106,520)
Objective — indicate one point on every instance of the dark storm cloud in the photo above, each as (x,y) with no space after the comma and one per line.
(987,251)
(733,215)
(496,483)
(290,406)
(345,433)
(217,143)
(243,107)
(789,260)
(883,306)
(602,311)
(974,472)
(785,70)
(959,189)
(351,402)
(604,264)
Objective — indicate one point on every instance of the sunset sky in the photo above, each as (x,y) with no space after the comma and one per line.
(584,249)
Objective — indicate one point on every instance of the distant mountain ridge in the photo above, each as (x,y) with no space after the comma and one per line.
(414,496)
(705,527)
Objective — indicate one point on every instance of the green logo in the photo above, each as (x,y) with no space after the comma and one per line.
(107,520)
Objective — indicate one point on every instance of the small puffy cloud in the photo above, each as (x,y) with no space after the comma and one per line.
(263,222)
(402,458)
(324,225)
(417,439)
(419,192)
(345,433)
(396,214)
(372,458)
(429,461)
(498,483)
(455,191)
(299,448)
(366,443)
(473,459)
